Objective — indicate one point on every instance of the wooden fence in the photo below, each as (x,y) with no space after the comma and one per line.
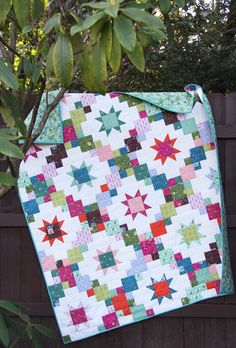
(208,324)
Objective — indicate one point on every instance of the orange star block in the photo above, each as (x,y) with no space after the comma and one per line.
(53,231)
(165,149)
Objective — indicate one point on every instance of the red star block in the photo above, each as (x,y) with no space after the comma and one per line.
(165,149)
(53,231)
(161,288)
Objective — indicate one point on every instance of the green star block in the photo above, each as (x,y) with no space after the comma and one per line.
(110,121)
(190,233)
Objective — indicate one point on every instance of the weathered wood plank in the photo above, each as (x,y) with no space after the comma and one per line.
(194,331)
(215,333)
(173,333)
(231,333)
(153,335)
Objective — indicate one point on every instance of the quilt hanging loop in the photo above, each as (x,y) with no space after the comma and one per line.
(194,90)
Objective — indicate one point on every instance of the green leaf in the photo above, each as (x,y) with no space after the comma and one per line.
(9,101)
(96,30)
(4,334)
(106,39)
(87,23)
(22,11)
(125,32)
(164,6)
(140,16)
(63,60)
(49,62)
(5,6)
(113,8)
(36,67)
(37,8)
(99,68)
(144,5)
(12,307)
(27,29)
(7,180)
(180,3)
(44,330)
(93,68)
(36,341)
(115,58)
(137,57)
(9,134)
(97,5)
(53,22)
(29,331)
(144,38)
(27,67)
(7,76)
(15,326)
(157,35)
(85,63)
(6,116)
(9,149)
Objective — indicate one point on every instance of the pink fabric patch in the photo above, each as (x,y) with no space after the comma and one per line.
(142,126)
(213,211)
(49,170)
(110,320)
(69,134)
(196,201)
(78,316)
(188,172)
(48,263)
(104,153)
(88,99)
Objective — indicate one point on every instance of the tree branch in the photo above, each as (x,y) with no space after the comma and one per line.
(34,115)
(9,47)
(44,119)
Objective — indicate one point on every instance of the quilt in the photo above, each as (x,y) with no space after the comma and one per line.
(126,212)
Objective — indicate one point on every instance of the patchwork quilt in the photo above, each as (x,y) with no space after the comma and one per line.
(126,208)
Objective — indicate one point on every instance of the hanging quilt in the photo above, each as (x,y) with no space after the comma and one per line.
(126,209)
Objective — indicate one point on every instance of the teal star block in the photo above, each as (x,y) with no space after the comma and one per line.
(110,121)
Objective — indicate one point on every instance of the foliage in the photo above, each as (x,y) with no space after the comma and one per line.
(11,330)
(45,45)
(200,47)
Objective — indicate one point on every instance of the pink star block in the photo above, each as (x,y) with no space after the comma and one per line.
(33,150)
(136,204)
(78,316)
